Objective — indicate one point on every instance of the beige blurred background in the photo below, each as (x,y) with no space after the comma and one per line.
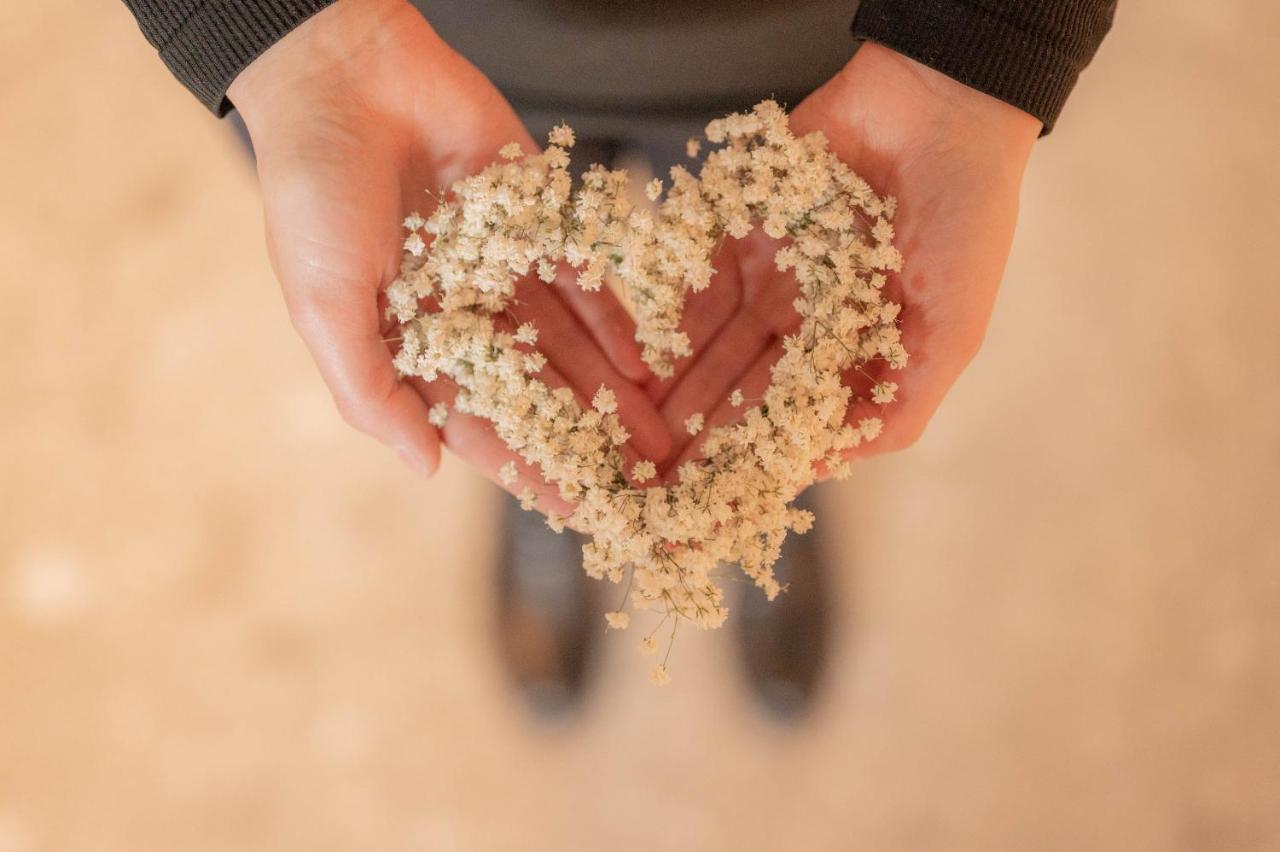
(228,623)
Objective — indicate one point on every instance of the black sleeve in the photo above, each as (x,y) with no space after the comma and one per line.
(206,43)
(1025,52)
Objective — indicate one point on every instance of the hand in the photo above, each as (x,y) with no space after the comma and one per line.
(354,116)
(954,158)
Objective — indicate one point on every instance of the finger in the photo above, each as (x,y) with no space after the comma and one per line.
(753,381)
(715,373)
(575,356)
(474,440)
(603,315)
(705,313)
(340,328)
(939,353)
(767,293)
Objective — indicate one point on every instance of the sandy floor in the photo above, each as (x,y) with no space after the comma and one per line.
(227,623)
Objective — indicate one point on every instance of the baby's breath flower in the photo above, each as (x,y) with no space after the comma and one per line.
(510,151)
(731,505)
(528,500)
(415,245)
(653,189)
(527,333)
(648,645)
(618,620)
(561,135)
(659,676)
(692,147)
(604,401)
(438,415)
(644,470)
(884,392)
(547,270)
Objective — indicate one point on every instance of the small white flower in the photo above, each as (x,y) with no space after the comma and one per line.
(528,500)
(883,393)
(653,189)
(527,215)
(415,245)
(692,147)
(618,620)
(534,362)
(659,676)
(527,333)
(438,415)
(561,135)
(648,645)
(644,470)
(604,401)
(510,151)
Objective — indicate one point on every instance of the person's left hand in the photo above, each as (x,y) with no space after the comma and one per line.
(954,158)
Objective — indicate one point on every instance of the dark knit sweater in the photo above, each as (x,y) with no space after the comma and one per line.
(1027,53)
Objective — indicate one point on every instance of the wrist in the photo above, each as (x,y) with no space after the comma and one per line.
(327,51)
(929,99)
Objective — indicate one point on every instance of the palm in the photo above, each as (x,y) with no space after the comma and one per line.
(955,172)
(341,165)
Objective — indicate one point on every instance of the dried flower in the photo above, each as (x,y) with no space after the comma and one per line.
(527,333)
(693,423)
(604,401)
(438,415)
(730,505)
(883,393)
(617,620)
(561,135)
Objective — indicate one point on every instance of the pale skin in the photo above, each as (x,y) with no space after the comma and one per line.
(362,108)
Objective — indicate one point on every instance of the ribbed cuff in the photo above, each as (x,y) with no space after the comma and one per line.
(206,43)
(1026,54)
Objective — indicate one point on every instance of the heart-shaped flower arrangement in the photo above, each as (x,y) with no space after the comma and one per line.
(523,215)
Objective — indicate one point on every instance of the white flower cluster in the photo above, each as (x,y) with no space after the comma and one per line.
(524,216)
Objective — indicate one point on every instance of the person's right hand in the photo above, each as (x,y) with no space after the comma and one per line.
(354,116)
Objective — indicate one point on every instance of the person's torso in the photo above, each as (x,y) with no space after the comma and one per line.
(662,59)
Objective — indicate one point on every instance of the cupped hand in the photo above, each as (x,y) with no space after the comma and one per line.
(954,158)
(356,116)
